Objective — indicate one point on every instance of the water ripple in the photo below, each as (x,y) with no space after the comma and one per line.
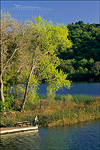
(75,137)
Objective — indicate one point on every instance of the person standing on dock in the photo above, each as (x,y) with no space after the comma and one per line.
(35,120)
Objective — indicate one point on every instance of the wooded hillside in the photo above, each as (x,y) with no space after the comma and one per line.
(82,60)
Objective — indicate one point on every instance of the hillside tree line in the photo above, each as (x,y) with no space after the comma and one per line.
(82,60)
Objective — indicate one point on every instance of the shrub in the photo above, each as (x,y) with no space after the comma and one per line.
(82,98)
(63,97)
(9,101)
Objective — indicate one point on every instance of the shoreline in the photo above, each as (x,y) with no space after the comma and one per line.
(2,128)
(52,113)
(51,125)
(59,123)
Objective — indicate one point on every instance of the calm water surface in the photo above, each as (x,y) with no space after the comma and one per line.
(76,137)
(90,89)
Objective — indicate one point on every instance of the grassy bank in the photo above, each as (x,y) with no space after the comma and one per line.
(60,111)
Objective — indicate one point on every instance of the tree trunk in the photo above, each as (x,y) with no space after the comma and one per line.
(25,95)
(1,93)
(1,74)
(26,89)
(1,90)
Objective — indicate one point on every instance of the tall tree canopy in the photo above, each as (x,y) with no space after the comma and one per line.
(43,41)
(29,54)
(10,28)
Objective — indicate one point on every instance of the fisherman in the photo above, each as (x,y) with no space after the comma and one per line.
(35,120)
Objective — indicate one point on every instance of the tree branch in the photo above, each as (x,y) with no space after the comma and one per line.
(9,60)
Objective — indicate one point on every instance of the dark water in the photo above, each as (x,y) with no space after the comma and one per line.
(76,137)
(90,89)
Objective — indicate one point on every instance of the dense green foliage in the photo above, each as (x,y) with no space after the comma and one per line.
(82,61)
(38,51)
(28,52)
(9,102)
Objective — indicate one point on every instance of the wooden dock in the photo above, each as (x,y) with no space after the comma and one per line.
(7,130)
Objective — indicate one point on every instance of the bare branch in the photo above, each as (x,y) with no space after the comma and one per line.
(9,60)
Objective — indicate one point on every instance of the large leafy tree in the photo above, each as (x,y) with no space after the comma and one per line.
(28,54)
(43,40)
(10,44)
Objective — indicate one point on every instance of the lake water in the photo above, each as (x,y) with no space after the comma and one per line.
(90,89)
(76,137)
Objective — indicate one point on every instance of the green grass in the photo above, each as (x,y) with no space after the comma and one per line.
(61,111)
(77,98)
